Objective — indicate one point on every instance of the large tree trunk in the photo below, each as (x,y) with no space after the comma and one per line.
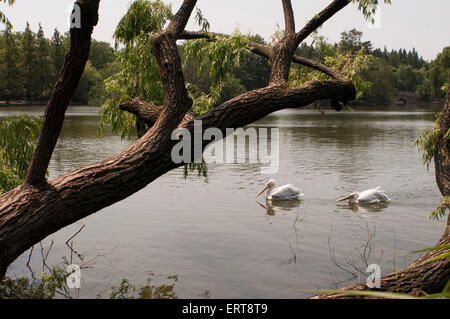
(442,155)
(421,277)
(38,208)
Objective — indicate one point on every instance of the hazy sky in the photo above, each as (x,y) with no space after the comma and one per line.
(423,24)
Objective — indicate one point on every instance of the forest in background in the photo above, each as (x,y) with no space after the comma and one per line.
(30,63)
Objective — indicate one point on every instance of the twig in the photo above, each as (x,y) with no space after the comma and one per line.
(71,245)
(28,263)
(67,242)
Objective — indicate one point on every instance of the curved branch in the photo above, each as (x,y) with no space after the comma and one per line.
(319,67)
(64,89)
(320,19)
(147,111)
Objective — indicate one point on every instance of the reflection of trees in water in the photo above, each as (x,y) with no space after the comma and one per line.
(53,280)
(79,146)
(271,206)
(348,144)
(353,265)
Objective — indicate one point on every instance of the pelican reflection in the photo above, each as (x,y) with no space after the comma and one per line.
(280,205)
(365,208)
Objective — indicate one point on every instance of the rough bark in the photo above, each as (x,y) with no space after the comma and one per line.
(421,277)
(147,111)
(31,212)
(442,155)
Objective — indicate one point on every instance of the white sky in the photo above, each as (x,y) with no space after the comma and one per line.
(423,24)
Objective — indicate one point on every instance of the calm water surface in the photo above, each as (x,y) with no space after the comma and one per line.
(215,236)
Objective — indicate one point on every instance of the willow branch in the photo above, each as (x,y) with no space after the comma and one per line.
(264,51)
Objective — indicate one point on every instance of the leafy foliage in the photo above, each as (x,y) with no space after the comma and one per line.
(369,7)
(142,18)
(427,141)
(17,137)
(3,18)
(50,284)
(30,64)
(150,291)
(220,56)
(139,73)
(440,211)
(351,65)
(440,73)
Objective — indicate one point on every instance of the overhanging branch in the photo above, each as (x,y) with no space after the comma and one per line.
(147,111)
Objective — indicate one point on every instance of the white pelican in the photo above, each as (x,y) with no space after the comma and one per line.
(284,192)
(369,196)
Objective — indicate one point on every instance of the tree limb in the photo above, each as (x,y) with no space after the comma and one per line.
(80,41)
(289,20)
(320,19)
(176,99)
(147,111)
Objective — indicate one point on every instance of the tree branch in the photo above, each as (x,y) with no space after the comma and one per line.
(320,19)
(80,41)
(181,18)
(319,67)
(147,111)
(289,20)
(176,99)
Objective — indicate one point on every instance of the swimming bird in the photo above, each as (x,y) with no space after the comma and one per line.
(285,192)
(370,196)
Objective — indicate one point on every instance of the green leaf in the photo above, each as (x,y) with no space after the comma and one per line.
(17,144)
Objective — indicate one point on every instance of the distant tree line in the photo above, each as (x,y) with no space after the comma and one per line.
(390,71)
(30,63)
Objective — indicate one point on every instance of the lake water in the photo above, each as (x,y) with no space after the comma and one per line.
(215,236)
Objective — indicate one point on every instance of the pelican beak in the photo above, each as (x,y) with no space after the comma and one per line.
(345,198)
(263,190)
